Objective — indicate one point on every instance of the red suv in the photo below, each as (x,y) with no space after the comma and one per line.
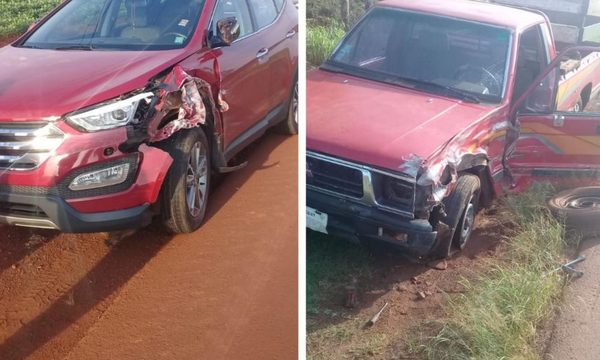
(112,111)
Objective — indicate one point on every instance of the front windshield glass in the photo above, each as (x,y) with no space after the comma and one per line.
(119,24)
(427,51)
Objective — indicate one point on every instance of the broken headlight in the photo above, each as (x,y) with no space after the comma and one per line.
(397,192)
(108,115)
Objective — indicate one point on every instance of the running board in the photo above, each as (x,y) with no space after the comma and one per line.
(229,169)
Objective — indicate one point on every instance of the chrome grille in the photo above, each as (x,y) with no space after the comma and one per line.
(25,146)
(334,177)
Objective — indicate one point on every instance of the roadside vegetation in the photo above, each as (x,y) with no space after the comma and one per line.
(327,22)
(17,15)
(501,312)
(321,42)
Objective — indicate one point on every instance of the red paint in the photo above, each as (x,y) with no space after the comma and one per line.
(37,84)
(385,126)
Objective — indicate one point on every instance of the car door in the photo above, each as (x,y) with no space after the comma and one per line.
(243,73)
(555,133)
(283,39)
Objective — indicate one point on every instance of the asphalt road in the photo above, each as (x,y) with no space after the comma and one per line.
(228,291)
(576,329)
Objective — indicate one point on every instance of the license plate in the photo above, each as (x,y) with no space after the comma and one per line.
(316,220)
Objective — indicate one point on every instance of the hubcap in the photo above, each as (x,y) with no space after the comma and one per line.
(467,225)
(587,202)
(197,179)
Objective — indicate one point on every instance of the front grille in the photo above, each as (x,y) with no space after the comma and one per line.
(25,146)
(334,177)
(14,209)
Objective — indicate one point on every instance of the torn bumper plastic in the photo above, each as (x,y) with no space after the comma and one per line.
(359,222)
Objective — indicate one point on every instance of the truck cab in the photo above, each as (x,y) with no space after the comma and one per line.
(424,113)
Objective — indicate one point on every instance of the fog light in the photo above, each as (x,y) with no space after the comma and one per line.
(101,178)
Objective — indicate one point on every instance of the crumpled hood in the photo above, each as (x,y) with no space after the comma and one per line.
(379,124)
(37,84)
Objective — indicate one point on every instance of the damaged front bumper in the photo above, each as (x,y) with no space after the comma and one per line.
(358,222)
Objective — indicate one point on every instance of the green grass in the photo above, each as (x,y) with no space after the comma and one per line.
(17,15)
(499,315)
(320,42)
(331,264)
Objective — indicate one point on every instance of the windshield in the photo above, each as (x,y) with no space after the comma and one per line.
(119,24)
(427,51)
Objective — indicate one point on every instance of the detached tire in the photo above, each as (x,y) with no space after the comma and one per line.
(187,186)
(461,207)
(290,125)
(579,208)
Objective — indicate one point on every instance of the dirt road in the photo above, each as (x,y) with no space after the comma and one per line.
(575,334)
(228,291)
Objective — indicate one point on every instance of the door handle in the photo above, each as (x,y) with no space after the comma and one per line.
(558,120)
(262,52)
(290,34)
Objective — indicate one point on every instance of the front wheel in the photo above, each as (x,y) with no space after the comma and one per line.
(187,186)
(461,208)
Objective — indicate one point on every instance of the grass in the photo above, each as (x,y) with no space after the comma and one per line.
(17,15)
(499,315)
(330,264)
(321,41)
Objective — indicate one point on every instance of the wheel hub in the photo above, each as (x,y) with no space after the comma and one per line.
(197,179)
(588,202)
(468,221)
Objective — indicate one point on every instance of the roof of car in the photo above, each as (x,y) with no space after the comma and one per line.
(505,16)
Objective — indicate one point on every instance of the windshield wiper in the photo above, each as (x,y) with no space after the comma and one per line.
(29,46)
(449,90)
(76,47)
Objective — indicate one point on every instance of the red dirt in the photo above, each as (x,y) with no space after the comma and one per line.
(227,291)
(397,280)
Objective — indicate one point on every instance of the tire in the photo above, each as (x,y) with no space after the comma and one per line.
(186,190)
(290,125)
(579,208)
(461,207)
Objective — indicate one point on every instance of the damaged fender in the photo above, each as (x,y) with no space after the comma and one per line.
(181,92)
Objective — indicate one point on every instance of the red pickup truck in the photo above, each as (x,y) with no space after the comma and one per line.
(114,111)
(427,110)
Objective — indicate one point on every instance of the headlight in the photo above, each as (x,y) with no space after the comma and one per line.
(397,192)
(108,115)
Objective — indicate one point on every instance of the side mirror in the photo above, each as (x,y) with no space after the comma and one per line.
(228,30)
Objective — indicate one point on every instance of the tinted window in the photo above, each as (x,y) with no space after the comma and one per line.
(237,9)
(264,12)
(120,24)
(429,51)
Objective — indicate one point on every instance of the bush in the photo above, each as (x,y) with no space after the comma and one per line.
(321,41)
(17,15)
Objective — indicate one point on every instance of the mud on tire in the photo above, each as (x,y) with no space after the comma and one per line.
(180,213)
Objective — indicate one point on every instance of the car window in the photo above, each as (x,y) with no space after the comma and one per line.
(429,51)
(279,4)
(532,58)
(264,12)
(120,24)
(234,8)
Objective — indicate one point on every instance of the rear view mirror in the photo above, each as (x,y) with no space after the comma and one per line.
(228,30)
